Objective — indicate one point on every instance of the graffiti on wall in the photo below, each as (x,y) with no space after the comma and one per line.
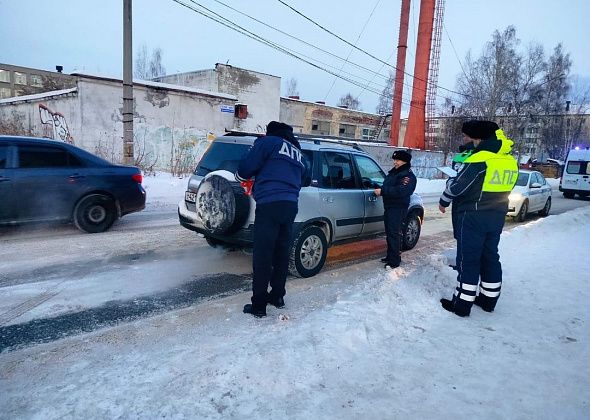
(55,125)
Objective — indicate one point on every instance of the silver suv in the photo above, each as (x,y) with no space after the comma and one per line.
(336,203)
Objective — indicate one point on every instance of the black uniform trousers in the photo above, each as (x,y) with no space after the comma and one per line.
(478,262)
(394,219)
(273,231)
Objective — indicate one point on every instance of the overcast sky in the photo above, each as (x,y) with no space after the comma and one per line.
(86,36)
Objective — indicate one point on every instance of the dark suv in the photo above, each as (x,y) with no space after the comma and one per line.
(48,180)
(336,204)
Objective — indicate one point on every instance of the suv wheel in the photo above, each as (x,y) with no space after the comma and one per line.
(308,253)
(412,229)
(95,213)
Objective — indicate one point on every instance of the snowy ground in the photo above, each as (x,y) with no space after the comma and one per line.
(354,343)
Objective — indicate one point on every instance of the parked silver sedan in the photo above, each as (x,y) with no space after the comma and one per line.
(531,194)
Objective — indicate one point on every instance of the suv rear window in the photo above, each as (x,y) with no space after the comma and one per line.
(228,155)
(222,156)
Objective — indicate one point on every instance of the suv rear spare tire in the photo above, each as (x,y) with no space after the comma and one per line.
(221,205)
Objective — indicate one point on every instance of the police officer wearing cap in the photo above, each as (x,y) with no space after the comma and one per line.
(479,194)
(398,186)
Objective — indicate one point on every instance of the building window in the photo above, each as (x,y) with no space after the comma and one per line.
(5,93)
(369,134)
(4,76)
(36,80)
(20,78)
(347,130)
(320,127)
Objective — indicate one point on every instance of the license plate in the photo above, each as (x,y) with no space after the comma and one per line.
(191,197)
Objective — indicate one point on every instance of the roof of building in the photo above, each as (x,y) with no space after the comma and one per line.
(158,85)
(37,96)
(331,106)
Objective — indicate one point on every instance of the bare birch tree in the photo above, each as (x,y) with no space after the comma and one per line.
(148,67)
(349,102)
(386,97)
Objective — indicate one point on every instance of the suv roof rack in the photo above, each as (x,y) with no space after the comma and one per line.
(242,133)
(332,140)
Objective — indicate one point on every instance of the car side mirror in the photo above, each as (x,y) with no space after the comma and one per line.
(535,185)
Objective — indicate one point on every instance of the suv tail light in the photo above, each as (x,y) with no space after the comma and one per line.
(137,178)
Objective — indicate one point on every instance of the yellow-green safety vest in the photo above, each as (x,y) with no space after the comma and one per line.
(501,171)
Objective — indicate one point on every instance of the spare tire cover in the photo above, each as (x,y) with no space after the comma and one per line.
(221,204)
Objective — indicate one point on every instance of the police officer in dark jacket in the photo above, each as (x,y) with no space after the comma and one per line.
(479,194)
(276,163)
(398,186)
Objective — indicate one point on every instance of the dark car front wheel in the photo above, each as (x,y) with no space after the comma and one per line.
(95,213)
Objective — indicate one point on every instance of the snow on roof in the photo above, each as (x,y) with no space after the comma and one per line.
(184,88)
(38,96)
(160,85)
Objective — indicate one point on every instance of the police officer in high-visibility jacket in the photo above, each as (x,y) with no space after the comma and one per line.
(479,194)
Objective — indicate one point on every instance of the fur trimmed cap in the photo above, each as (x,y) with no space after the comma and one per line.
(402,155)
(476,129)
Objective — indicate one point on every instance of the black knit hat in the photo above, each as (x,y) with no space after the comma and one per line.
(285,131)
(476,129)
(402,155)
(275,128)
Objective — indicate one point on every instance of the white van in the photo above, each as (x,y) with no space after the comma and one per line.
(576,174)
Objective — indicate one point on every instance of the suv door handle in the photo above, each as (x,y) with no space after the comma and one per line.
(328,199)
(2,179)
(76,176)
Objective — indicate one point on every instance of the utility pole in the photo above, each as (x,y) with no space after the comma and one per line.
(402,47)
(127,84)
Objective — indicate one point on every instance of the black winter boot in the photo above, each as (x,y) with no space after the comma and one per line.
(254,311)
(483,304)
(277,302)
(449,305)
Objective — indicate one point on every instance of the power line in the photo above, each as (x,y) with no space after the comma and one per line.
(232,25)
(360,49)
(293,37)
(350,51)
(375,74)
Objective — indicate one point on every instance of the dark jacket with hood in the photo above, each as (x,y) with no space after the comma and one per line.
(276,163)
(398,186)
(466,190)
